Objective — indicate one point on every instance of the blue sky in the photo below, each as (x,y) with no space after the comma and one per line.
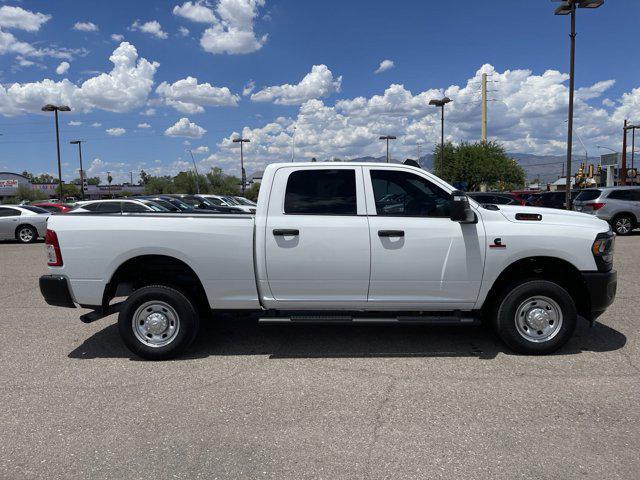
(149,106)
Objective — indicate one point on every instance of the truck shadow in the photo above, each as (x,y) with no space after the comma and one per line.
(244,336)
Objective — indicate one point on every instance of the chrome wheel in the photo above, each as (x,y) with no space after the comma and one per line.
(26,234)
(538,319)
(623,225)
(155,324)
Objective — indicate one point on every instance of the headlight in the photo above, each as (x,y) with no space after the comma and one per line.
(602,250)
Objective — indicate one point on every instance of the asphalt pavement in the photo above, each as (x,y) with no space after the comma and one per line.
(317,402)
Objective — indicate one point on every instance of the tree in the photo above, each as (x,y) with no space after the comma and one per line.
(475,164)
(144,177)
(44,178)
(28,175)
(222,184)
(69,190)
(157,185)
(24,193)
(252,192)
(185,182)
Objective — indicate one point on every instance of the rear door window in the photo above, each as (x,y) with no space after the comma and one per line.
(109,207)
(586,195)
(628,195)
(9,212)
(321,192)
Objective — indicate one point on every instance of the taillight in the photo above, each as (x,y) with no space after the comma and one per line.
(54,257)
(595,205)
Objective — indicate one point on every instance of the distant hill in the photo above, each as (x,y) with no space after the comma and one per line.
(545,167)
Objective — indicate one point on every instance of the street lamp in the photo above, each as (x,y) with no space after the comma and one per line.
(244,176)
(79,143)
(387,138)
(633,141)
(196,171)
(568,7)
(55,109)
(441,103)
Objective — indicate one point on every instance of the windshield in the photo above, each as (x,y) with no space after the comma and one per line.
(231,200)
(33,209)
(244,201)
(154,206)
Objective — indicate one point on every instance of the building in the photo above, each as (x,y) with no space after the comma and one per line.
(255,178)
(9,183)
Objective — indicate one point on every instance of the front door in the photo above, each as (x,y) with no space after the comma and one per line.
(317,238)
(8,221)
(420,258)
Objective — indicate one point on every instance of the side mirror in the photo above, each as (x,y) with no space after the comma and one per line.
(459,208)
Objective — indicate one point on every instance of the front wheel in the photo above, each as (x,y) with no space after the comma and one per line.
(536,317)
(158,322)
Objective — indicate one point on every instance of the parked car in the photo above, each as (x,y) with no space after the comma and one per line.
(245,201)
(221,200)
(496,198)
(620,206)
(25,223)
(553,199)
(530,199)
(322,242)
(203,203)
(54,208)
(128,205)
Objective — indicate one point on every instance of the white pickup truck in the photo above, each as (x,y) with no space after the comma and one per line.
(352,242)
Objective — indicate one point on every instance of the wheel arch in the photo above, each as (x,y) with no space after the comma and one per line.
(25,224)
(625,212)
(553,269)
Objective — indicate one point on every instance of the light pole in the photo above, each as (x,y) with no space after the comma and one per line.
(242,172)
(418,144)
(293,144)
(196,171)
(633,141)
(55,109)
(387,138)
(568,7)
(79,143)
(441,103)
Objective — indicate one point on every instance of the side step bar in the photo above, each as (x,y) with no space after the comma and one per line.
(101,313)
(348,319)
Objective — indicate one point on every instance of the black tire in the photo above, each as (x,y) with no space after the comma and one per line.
(169,304)
(26,234)
(623,224)
(511,317)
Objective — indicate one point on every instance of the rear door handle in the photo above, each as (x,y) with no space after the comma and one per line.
(391,233)
(282,232)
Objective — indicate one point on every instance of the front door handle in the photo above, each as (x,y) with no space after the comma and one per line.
(285,232)
(391,233)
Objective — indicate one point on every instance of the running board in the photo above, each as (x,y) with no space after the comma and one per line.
(348,319)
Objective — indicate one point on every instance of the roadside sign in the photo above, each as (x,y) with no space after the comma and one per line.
(631,173)
(609,159)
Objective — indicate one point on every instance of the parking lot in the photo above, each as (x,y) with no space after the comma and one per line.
(313,401)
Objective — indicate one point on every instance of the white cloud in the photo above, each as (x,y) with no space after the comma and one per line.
(248,88)
(21,19)
(62,68)
(85,27)
(384,66)
(187,96)
(144,125)
(149,112)
(184,31)
(152,27)
(195,11)
(96,124)
(116,132)
(202,149)
(185,128)
(231,28)
(318,83)
(126,87)
(117,37)
(74,123)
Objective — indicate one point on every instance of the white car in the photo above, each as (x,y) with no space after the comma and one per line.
(25,223)
(339,242)
(123,205)
(229,202)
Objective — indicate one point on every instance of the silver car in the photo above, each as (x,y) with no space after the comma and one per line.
(25,223)
(620,206)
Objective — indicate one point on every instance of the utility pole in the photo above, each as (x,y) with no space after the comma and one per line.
(196,172)
(293,144)
(418,144)
(484,108)
(243,174)
(441,103)
(109,182)
(623,173)
(79,143)
(55,109)
(387,138)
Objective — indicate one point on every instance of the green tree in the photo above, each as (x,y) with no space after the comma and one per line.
(144,177)
(252,192)
(185,182)
(69,190)
(222,184)
(44,178)
(157,185)
(25,194)
(478,163)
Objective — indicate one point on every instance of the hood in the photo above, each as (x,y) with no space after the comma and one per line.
(553,216)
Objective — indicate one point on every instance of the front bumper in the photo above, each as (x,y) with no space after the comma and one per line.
(601,287)
(55,290)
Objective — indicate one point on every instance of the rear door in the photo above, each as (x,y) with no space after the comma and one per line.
(8,221)
(420,258)
(317,238)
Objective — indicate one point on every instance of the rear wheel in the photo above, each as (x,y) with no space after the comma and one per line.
(26,234)
(623,224)
(536,317)
(158,322)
